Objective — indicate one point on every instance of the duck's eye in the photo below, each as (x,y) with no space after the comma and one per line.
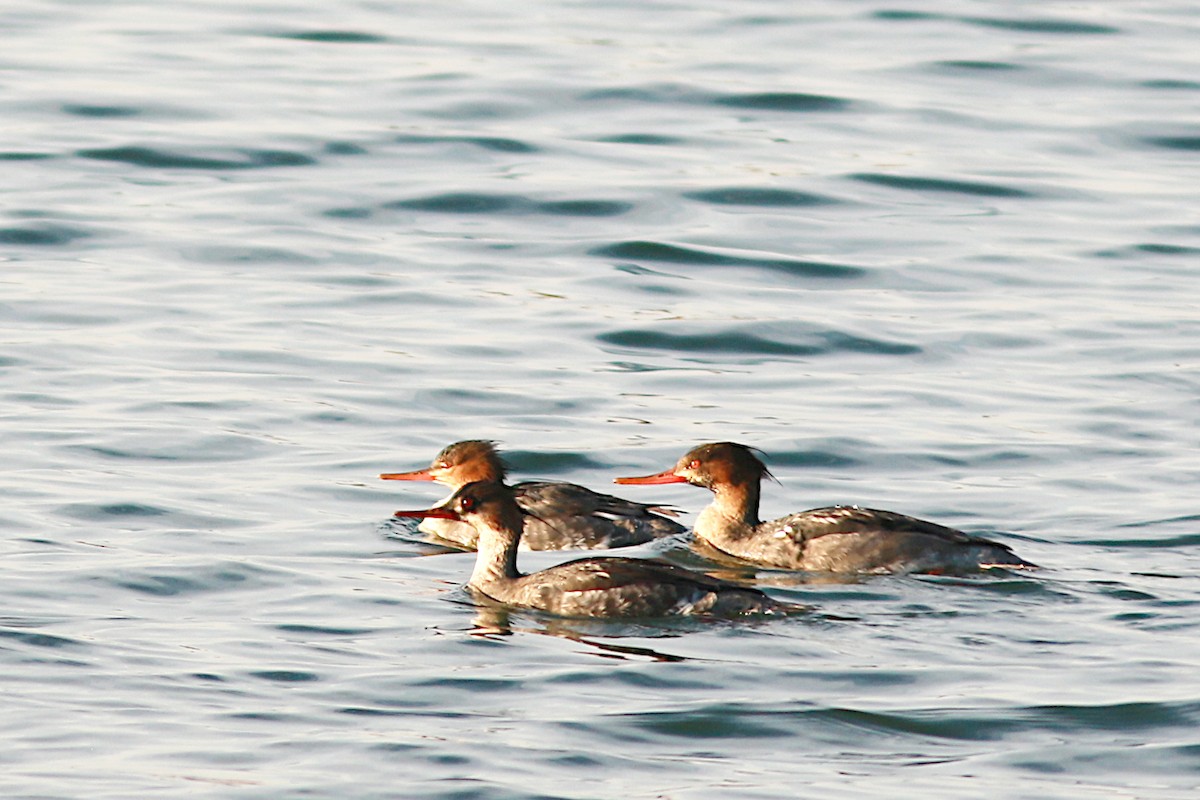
(467,504)
(695,464)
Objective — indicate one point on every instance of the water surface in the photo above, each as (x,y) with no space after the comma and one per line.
(938,259)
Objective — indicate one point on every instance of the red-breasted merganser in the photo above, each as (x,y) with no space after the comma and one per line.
(842,539)
(598,586)
(562,516)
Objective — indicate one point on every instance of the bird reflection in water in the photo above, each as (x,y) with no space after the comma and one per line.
(495,621)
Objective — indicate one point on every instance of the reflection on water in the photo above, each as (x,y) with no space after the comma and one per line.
(493,620)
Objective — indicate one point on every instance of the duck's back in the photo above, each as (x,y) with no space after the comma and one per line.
(565,516)
(627,587)
(850,539)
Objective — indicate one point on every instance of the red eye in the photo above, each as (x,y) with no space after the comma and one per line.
(695,463)
(467,503)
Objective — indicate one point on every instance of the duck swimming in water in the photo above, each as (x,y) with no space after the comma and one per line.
(561,516)
(598,586)
(839,539)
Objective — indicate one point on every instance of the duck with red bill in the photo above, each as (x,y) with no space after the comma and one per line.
(563,515)
(838,539)
(588,587)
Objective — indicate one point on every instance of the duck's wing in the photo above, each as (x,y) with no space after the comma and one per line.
(818,522)
(553,498)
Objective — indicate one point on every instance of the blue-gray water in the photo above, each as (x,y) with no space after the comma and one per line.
(942,258)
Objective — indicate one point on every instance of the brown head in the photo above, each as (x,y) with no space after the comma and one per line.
(482,504)
(714,465)
(459,464)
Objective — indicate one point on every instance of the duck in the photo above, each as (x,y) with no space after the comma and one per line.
(560,515)
(836,539)
(590,587)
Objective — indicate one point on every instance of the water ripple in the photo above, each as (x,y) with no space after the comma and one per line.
(482,203)
(462,203)
(200,579)
(655,93)
(753,196)
(745,341)
(497,144)
(101,112)
(47,234)
(323,630)
(1167,542)
(1056,26)
(345,149)
(237,159)
(783,101)
(24,155)
(651,139)
(585,208)
(661,252)
(529,462)
(739,721)
(1149,248)
(470,402)
(221,253)
(147,447)
(1170,84)
(40,639)
(334,37)
(789,102)
(1030,25)
(90,511)
(978,66)
(918,184)
(1189,144)
(285,676)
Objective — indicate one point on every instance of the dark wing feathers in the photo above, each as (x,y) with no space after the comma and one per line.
(608,573)
(808,525)
(573,500)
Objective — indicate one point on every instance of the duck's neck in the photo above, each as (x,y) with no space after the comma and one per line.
(732,515)
(496,560)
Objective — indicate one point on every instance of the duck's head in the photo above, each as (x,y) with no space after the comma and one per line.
(459,464)
(712,466)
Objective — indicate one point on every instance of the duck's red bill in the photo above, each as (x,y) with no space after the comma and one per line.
(436,513)
(661,477)
(415,475)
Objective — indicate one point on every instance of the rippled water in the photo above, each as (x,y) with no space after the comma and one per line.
(939,258)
